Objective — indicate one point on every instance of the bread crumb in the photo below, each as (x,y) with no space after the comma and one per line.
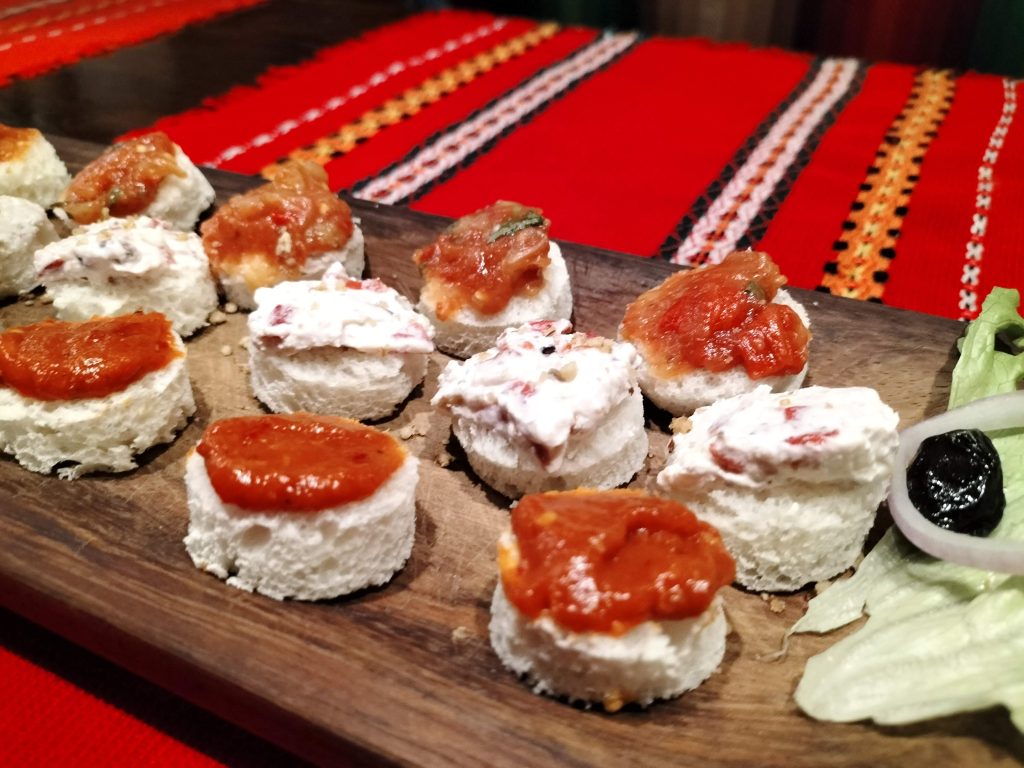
(217,317)
(764,597)
(226,350)
(444,459)
(231,307)
(612,701)
(461,635)
(776,605)
(243,342)
(29,302)
(46,298)
(418,427)
(680,425)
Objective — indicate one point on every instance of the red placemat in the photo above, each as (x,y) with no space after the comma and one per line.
(879,182)
(39,35)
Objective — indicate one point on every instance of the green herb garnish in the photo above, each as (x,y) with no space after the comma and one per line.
(531,219)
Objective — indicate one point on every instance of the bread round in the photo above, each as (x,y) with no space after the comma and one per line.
(654,660)
(302,555)
(351,257)
(119,266)
(607,456)
(468,332)
(685,393)
(791,481)
(180,199)
(24,228)
(37,174)
(546,409)
(336,346)
(101,433)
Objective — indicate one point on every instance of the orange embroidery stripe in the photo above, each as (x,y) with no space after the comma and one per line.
(868,241)
(432,89)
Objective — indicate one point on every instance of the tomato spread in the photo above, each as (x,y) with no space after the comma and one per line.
(484,259)
(266,235)
(297,462)
(606,561)
(122,181)
(14,142)
(70,361)
(717,318)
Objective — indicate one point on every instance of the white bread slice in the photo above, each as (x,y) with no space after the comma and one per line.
(100,433)
(342,382)
(38,175)
(683,394)
(180,199)
(606,456)
(790,511)
(654,660)
(351,256)
(468,332)
(120,266)
(24,228)
(302,555)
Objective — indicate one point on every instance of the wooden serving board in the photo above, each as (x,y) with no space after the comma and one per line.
(405,673)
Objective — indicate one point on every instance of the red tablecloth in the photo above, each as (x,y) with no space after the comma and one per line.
(880,182)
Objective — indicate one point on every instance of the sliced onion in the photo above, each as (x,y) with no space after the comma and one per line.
(989,414)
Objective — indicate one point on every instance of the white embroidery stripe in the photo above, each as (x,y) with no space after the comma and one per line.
(975,247)
(336,102)
(798,122)
(79,26)
(6,13)
(457,143)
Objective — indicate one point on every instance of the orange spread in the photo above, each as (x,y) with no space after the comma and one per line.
(717,318)
(486,258)
(297,462)
(606,561)
(14,142)
(69,361)
(267,234)
(122,181)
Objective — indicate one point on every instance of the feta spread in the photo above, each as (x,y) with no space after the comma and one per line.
(540,382)
(114,249)
(812,435)
(341,312)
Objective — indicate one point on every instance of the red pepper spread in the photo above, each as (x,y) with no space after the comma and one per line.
(69,361)
(297,462)
(124,180)
(267,234)
(606,561)
(717,318)
(484,259)
(14,142)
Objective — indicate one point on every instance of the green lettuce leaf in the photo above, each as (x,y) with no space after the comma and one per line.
(940,638)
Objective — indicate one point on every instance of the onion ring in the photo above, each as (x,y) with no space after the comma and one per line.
(988,414)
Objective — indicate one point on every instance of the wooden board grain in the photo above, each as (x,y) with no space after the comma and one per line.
(405,673)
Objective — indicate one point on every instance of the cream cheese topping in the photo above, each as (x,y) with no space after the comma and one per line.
(540,382)
(812,435)
(341,312)
(118,248)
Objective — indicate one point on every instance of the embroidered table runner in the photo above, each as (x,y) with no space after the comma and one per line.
(881,182)
(39,35)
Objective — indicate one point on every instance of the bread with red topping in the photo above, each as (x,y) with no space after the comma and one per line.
(609,598)
(29,167)
(296,526)
(53,416)
(493,269)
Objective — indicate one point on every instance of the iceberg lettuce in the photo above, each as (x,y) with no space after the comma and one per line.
(940,638)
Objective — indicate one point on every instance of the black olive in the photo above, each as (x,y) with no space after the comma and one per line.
(956,481)
(547,350)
